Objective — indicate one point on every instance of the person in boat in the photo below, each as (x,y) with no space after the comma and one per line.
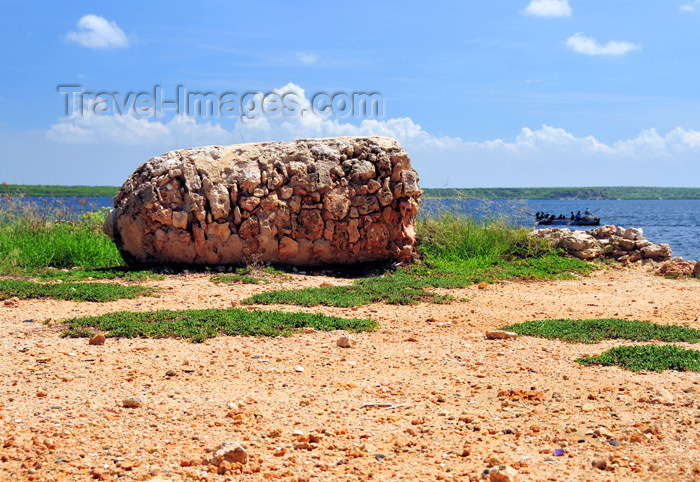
(572,216)
(587,212)
(578,216)
(538,216)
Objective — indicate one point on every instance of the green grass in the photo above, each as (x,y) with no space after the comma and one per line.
(647,357)
(237,278)
(456,253)
(80,274)
(593,331)
(244,276)
(70,291)
(27,246)
(198,325)
(38,241)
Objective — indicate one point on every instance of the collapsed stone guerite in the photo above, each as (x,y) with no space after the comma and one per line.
(309,202)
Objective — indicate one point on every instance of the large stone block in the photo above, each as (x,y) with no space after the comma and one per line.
(309,202)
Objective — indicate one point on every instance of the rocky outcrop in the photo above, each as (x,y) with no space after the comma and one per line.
(678,268)
(309,202)
(624,245)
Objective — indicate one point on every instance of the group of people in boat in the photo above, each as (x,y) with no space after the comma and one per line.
(542,216)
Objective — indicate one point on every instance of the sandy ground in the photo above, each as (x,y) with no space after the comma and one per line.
(457,402)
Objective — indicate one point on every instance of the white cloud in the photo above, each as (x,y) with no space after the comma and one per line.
(549,8)
(589,46)
(306,58)
(690,6)
(546,156)
(97,32)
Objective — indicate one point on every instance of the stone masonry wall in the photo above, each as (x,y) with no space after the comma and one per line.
(309,202)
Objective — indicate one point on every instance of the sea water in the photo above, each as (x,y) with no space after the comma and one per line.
(676,222)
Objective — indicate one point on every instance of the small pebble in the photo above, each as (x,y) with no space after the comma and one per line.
(133,402)
(501,335)
(345,342)
(98,339)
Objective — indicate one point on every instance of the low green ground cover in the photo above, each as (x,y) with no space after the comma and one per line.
(47,242)
(198,325)
(70,291)
(596,330)
(636,357)
(252,275)
(656,358)
(456,252)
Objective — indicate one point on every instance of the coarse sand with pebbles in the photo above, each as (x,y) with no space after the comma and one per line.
(424,397)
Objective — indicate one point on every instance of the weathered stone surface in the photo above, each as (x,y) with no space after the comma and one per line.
(230,452)
(677,268)
(309,202)
(501,335)
(624,245)
(657,251)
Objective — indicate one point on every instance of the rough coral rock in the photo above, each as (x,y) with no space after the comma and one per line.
(625,245)
(230,452)
(318,201)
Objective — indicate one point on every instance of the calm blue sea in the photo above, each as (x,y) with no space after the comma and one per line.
(676,222)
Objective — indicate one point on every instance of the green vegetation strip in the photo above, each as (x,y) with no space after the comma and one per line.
(33,245)
(70,291)
(593,331)
(237,278)
(245,276)
(457,252)
(198,325)
(58,191)
(607,192)
(647,357)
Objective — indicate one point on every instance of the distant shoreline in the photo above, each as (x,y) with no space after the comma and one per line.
(565,193)
(558,193)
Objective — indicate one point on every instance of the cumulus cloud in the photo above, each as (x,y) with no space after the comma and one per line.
(690,6)
(97,32)
(549,8)
(544,156)
(306,58)
(589,46)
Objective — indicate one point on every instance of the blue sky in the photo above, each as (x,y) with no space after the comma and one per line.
(508,93)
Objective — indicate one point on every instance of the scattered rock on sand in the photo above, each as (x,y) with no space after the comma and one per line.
(12,302)
(501,335)
(98,339)
(600,464)
(133,402)
(624,245)
(345,342)
(662,396)
(676,268)
(502,473)
(231,452)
